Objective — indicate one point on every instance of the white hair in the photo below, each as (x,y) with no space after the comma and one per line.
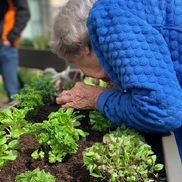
(69,29)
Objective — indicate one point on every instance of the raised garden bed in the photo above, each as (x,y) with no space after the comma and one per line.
(72,169)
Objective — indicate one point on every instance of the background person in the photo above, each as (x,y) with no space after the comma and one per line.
(135,44)
(14,15)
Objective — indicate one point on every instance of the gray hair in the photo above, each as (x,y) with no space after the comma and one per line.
(69,29)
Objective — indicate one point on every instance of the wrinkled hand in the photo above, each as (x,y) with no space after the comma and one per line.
(81,96)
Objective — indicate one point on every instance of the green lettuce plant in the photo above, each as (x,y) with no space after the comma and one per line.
(123,158)
(99,121)
(68,119)
(13,121)
(35,176)
(30,98)
(5,154)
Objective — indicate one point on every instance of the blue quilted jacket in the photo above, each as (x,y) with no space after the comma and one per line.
(139,44)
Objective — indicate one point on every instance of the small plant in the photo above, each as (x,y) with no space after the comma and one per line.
(122,159)
(54,141)
(35,176)
(30,98)
(69,85)
(41,83)
(94,81)
(100,122)
(5,154)
(68,120)
(13,121)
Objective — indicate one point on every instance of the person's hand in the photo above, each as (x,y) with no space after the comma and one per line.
(6,42)
(81,96)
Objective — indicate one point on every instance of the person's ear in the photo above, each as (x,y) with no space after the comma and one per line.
(86,49)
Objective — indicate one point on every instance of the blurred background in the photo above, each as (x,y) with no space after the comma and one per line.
(35,36)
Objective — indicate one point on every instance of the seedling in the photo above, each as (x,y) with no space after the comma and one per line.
(30,98)
(5,154)
(100,122)
(123,158)
(35,176)
(13,121)
(68,120)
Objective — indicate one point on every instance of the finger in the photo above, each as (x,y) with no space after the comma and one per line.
(65,92)
(67,105)
(63,99)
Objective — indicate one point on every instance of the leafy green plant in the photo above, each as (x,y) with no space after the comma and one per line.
(68,120)
(41,42)
(35,176)
(30,98)
(42,83)
(122,159)
(54,142)
(5,154)
(69,85)
(93,81)
(13,121)
(99,121)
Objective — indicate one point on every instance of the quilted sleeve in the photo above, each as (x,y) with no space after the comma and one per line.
(137,59)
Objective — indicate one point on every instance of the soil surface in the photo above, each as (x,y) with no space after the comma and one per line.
(71,169)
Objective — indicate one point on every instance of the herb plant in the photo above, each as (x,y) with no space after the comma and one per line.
(5,154)
(54,141)
(13,121)
(99,121)
(122,159)
(30,98)
(42,83)
(35,176)
(68,120)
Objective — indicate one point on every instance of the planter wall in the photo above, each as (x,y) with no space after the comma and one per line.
(173,165)
(41,59)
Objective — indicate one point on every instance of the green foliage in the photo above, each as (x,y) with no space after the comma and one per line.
(54,142)
(68,120)
(13,121)
(57,136)
(5,154)
(69,85)
(92,81)
(123,158)
(35,176)
(26,42)
(41,83)
(41,42)
(100,122)
(30,98)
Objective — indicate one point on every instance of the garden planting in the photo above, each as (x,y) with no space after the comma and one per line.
(40,141)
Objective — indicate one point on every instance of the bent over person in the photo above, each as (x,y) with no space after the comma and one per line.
(14,15)
(135,44)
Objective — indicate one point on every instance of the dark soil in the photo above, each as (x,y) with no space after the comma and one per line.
(71,169)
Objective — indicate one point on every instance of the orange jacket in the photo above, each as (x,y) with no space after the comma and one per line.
(14,15)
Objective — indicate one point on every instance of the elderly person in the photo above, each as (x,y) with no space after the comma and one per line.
(137,45)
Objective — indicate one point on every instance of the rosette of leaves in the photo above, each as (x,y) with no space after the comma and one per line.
(68,119)
(99,121)
(30,98)
(42,83)
(54,141)
(5,154)
(35,176)
(13,121)
(122,159)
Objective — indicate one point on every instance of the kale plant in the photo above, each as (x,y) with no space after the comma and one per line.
(30,98)
(35,176)
(5,154)
(68,120)
(100,122)
(13,121)
(123,158)
(42,83)
(54,141)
